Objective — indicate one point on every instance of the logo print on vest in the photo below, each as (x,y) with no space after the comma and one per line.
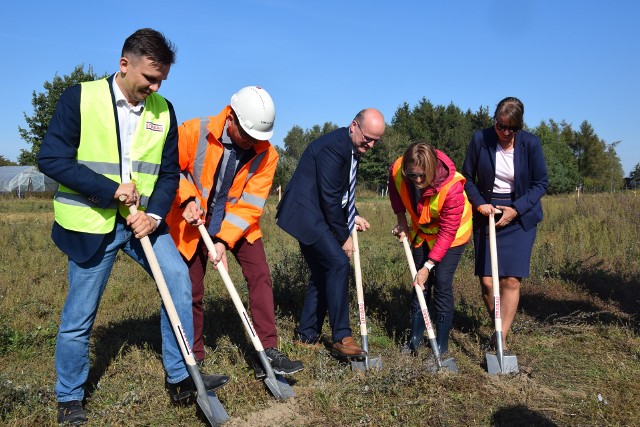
(155,127)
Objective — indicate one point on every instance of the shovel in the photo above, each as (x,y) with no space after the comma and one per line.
(368,362)
(498,363)
(207,400)
(449,363)
(276,384)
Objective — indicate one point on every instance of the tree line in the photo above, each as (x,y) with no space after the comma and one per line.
(576,158)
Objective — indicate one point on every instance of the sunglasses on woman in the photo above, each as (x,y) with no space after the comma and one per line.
(502,128)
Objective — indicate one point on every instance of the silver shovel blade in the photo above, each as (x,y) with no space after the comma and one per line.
(509,364)
(366,364)
(279,387)
(449,364)
(276,384)
(212,408)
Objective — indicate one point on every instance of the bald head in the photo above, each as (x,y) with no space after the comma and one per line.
(366,129)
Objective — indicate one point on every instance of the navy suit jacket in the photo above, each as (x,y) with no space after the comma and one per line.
(58,160)
(311,205)
(530,170)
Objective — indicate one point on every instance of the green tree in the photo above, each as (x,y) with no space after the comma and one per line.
(598,162)
(635,173)
(295,143)
(44,104)
(6,162)
(374,165)
(561,164)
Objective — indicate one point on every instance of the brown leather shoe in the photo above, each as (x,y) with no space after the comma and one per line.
(347,347)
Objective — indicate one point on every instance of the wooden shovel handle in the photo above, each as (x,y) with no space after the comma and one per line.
(419,293)
(224,274)
(358,275)
(166,297)
(495,279)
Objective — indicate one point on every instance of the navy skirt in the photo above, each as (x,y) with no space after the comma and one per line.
(514,244)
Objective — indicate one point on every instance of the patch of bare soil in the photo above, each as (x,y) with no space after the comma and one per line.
(277,413)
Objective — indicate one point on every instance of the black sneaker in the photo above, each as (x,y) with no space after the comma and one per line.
(71,412)
(281,364)
(182,393)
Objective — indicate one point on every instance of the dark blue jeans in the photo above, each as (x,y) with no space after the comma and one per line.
(440,285)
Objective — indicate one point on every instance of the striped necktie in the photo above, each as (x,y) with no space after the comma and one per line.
(351,201)
(220,199)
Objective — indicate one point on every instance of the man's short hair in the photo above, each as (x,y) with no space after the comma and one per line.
(152,44)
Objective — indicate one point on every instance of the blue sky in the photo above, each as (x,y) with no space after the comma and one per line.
(324,61)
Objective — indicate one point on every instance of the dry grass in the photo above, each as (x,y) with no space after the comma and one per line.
(576,334)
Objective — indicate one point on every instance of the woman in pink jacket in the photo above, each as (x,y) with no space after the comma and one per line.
(424,183)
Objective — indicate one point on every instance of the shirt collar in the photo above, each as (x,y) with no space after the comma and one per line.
(121,100)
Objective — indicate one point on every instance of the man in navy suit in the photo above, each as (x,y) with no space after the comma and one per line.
(317,208)
(116,140)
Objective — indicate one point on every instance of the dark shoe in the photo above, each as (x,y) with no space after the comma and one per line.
(258,369)
(71,412)
(181,393)
(281,364)
(347,347)
(408,350)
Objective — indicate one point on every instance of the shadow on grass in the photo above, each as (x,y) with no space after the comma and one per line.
(595,279)
(108,342)
(520,415)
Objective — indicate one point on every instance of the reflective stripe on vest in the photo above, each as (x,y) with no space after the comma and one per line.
(426,226)
(198,164)
(98,150)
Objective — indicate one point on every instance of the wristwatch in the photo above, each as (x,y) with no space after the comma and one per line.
(429,264)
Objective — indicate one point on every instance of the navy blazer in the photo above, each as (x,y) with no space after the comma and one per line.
(312,201)
(530,170)
(57,159)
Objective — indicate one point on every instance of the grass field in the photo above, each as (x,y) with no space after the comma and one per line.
(576,334)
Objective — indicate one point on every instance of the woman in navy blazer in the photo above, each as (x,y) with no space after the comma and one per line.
(505,169)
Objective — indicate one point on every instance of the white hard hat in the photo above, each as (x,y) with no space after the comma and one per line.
(255,110)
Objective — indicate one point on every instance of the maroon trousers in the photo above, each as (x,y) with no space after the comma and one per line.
(253,261)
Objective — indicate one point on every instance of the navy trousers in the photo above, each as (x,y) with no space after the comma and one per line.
(328,290)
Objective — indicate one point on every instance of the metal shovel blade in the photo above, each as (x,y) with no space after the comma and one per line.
(448,364)
(277,384)
(509,364)
(363,364)
(279,387)
(366,364)
(214,412)
(207,400)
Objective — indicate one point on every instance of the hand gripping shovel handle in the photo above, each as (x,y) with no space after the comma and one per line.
(498,363)
(495,280)
(419,293)
(278,386)
(449,363)
(235,297)
(215,415)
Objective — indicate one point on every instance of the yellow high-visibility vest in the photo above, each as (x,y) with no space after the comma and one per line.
(98,150)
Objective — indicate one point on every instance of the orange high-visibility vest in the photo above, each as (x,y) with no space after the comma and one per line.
(200,152)
(426,225)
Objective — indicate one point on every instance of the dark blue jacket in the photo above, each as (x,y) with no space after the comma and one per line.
(530,170)
(312,202)
(57,159)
